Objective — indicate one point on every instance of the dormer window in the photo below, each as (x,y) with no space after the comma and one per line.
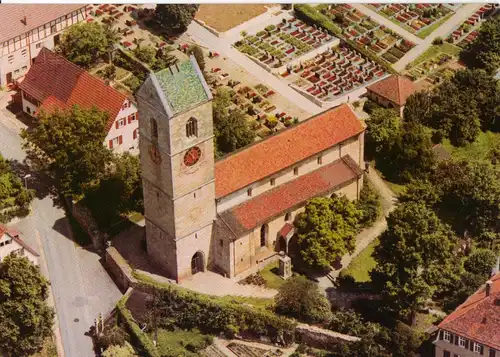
(192,128)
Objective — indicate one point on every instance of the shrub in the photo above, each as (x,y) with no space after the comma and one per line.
(133,83)
(146,54)
(369,204)
(271,122)
(301,298)
(311,16)
(437,41)
(114,336)
(370,106)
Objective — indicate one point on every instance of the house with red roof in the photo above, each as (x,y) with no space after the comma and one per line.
(54,83)
(235,214)
(391,92)
(473,329)
(11,242)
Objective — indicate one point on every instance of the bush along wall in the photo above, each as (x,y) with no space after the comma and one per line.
(187,309)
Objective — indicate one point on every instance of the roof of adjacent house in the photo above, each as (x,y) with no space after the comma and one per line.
(12,17)
(252,213)
(478,317)
(59,83)
(183,85)
(293,145)
(394,88)
(16,236)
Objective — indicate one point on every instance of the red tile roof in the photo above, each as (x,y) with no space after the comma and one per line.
(394,88)
(285,149)
(287,228)
(16,236)
(36,15)
(58,83)
(478,318)
(264,207)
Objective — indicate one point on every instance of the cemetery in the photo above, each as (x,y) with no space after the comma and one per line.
(467,31)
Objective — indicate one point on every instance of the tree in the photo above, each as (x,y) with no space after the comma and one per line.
(484,52)
(25,318)
(480,262)
(369,204)
(326,230)
(68,145)
(197,52)
(231,130)
(146,54)
(414,258)
(300,298)
(465,287)
(85,42)
(384,127)
(404,341)
(119,351)
(417,107)
(176,17)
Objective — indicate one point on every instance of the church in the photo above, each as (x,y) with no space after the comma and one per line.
(230,215)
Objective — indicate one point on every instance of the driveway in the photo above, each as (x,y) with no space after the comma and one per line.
(81,287)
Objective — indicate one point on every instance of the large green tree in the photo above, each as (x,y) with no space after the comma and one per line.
(484,51)
(231,129)
(384,128)
(85,42)
(68,145)
(417,107)
(326,230)
(480,262)
(25,318)
(176,17)
(301,298)
(414,258)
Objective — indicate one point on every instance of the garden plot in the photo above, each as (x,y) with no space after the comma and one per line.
(366,33)
(415,18)
(334,73)
(467,31)
(277,45)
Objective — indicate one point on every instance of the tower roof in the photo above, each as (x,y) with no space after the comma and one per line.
(183,86)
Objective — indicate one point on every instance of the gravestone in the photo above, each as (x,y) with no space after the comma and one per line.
(285,266)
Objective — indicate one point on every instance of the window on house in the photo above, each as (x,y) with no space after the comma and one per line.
(154,128)
(249,192)
(477,347)
(263,235)
(131,118)
(296,171)
(320,160)
(115,142)
(461,341)
(288,216)
(446,353)
(192,127)
(493,353)
(135,133)
(125,105)
(446,336)
(121,123)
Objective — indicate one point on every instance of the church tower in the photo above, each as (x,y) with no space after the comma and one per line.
(177,162)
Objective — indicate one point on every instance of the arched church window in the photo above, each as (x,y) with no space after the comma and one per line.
(192,127)
(154,128)
(288,216)
(263,235)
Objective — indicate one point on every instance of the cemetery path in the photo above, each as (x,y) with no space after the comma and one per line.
(366,236)
(442,31)
(388,23)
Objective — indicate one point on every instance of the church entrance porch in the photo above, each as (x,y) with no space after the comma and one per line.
(197,263)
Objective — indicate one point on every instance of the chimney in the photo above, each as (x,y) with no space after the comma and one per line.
(24,21)
(489,283)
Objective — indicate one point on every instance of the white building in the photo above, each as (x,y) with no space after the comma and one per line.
(11,242)
(26,28)
(53,82)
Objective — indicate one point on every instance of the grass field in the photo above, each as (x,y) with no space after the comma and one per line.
(480,150)
(435,50)
(223,18)
(181,341)
(430,29)
(361,266)
(270,275)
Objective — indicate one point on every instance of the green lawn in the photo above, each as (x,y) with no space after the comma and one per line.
(181,342)
(435,50)
(121,73)
(270,275)
(480,150)
(429,29)
(361,266)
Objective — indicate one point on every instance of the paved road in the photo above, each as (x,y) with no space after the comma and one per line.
(387,23)
(80,285)
(223,45)
(445,29)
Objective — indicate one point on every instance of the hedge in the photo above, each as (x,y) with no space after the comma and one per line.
(139,337)
(310,15)
(188,309)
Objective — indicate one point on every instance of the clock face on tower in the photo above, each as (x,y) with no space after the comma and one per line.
(192,156)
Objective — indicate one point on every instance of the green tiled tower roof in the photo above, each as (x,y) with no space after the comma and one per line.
(183,85)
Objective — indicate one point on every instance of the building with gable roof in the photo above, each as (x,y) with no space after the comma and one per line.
(11,242)
(26,28)
(53,83)
(391,92)
(473,328)
(232,214)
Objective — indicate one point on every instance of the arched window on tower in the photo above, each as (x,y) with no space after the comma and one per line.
(192,127)
(263,235)
(154,128)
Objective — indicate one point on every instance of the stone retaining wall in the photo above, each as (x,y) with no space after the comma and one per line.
(320,338)
(84,217)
